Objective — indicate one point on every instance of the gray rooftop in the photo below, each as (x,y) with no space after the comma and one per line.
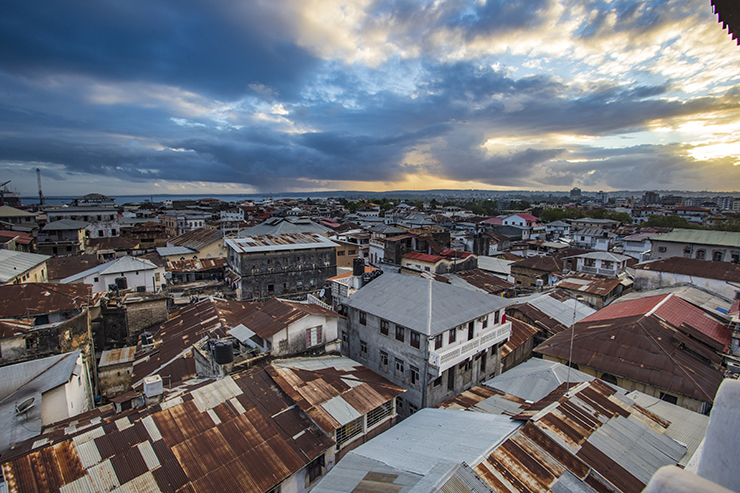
(687,427)
(613,257)
(562,311)
(175,250)
(13,263)
(119,266)
(433,435)
(65,225)
(27,380)
(423,305)
(702,237)
(535,378)
(495,265)
(277,226)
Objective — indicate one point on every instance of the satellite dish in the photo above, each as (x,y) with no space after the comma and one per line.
(321,293)
(24,406)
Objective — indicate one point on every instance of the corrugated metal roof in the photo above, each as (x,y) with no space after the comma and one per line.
(613,257)
(562,311)
(643,349)
(29,380)
(535,378)
(687,427)
(248,448)
(432,435)
(31,299)
(196,265)
(702,237)
(492,264)
(118,266)
(333,390)
(175,250)
(271,243)
(706,300)
(412,301)
(14,263)
(196,239)
(587,283)
(116,356)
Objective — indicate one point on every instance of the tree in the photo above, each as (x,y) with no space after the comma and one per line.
(668,222)
(419,204)
(433,204)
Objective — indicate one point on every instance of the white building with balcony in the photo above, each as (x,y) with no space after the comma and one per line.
(434,339)
(601,263)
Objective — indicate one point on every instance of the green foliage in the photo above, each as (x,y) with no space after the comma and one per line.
(433,204)
(419,204)
(448,203)
(669,222)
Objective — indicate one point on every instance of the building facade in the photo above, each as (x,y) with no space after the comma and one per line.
(287,266)
(433,339)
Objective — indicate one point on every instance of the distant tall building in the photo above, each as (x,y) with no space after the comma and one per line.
(652,198)
(602,197)
(671,200)
(575,192)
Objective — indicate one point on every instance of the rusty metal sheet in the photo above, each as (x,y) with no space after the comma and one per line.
(129,465)
(527,464)
(31,299)
(613,472)
(564,457)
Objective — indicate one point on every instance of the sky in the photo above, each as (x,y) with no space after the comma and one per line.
(184,97)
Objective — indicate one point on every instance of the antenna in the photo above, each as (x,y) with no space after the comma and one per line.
(38,178)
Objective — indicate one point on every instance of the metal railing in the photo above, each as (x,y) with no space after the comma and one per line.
(442,359)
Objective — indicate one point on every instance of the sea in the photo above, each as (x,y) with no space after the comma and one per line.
(157,199)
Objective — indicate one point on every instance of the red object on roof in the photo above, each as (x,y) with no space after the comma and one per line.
(528,217)
(22,238)
(495,221)
(672,309)
(455,253)
(330,224)
(424,257)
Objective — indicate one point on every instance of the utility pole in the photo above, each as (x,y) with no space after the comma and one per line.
(41,195)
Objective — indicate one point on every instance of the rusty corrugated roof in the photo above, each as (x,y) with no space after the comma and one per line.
(481,279)
(196,265)
(30,299)
(239,433)
(196,239)
(521,332)
(330,378)
(645,349)
(589,283)
(590,436)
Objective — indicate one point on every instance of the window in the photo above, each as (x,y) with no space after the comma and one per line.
(414,371)
(383,360)
(437,381)
(484,321)
(349,431)
(668,398)
(451,379)
(100,233)
(363,349)
(384,327)
(471,331)
(400,369)
(662,249)
(701,254)
(438,341)
(400,333)
(363,318)
(718,256)
(313,336)
(96,279)
(270,289)
(345,337)
(483,362)
(351,252)
(379,413)
(609,378)
(412,409)
(340,253)
(415,339)
(453,335)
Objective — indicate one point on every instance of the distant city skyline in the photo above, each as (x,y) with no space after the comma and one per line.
(289,96)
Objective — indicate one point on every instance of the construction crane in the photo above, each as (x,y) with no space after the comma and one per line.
(41,195)
(2,192)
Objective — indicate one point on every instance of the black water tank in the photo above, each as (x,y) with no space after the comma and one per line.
(121,283)
(358,267)
(146,338)
(223,352)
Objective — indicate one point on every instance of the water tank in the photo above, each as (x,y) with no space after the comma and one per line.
(146,339)
(153,386)
(223,352)
(121,283)
(358,267)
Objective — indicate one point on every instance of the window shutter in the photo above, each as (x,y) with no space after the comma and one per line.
(308,337)
(319,340)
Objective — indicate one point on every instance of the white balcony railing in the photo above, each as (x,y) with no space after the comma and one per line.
(445,358)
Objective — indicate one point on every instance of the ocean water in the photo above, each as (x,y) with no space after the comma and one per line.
(126,199)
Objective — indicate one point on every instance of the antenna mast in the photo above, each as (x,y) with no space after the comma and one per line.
(41,195)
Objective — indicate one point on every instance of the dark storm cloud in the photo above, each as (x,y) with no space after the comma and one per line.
(218,48)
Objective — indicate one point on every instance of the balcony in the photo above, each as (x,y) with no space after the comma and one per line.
(599,270)
(445,358)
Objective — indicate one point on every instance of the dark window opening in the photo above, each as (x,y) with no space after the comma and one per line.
(415,339)
(471,331)
(384,327)
(453,336)
(668,398)
(400,333)
(363,318)
(438,342)
(609,378)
